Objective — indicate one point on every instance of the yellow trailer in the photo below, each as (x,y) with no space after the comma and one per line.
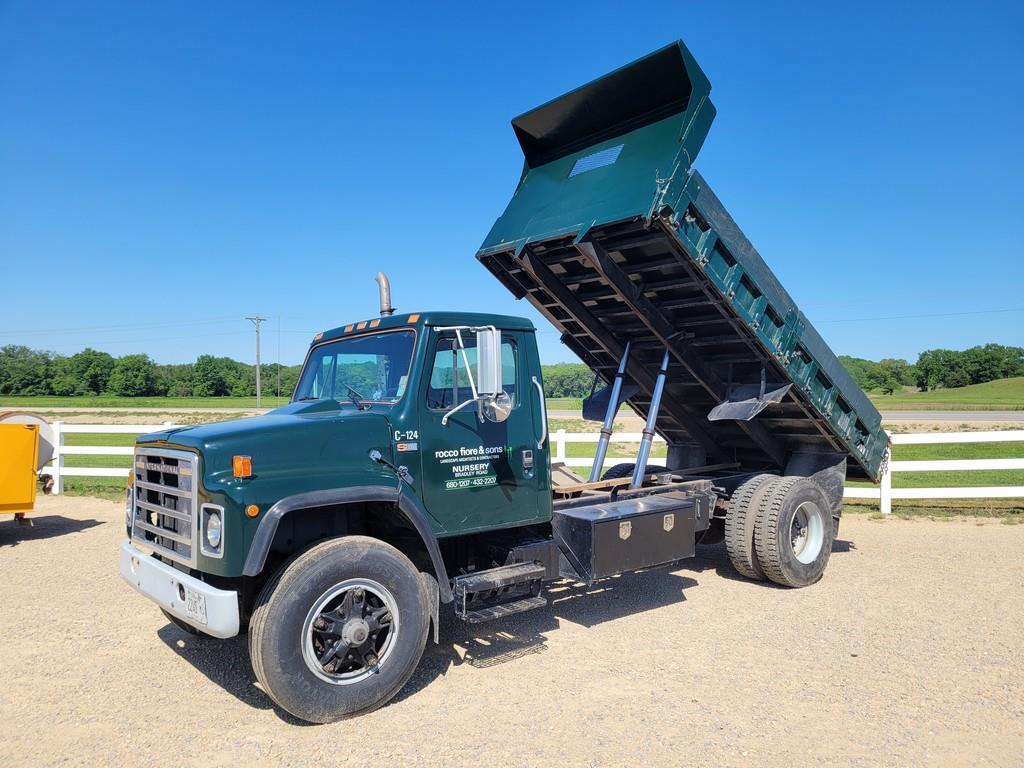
(19,462)
(26,446)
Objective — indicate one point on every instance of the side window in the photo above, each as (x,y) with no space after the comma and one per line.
(449,384)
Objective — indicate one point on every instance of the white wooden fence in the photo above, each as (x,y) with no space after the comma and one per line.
(885,493)
(561,438)
(57,468)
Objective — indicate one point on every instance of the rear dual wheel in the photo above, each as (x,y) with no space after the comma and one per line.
(781,529)
(739,526)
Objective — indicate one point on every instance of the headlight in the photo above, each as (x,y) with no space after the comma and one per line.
(213,529)
(129,502)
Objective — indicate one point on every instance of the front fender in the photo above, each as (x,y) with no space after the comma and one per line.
(407,504)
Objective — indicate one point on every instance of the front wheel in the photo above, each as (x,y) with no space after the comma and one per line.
(340,629)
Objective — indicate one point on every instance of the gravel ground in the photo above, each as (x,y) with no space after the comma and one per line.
(909,652)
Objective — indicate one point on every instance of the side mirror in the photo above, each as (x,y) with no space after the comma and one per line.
(493,402)
(497,407)
(488,362)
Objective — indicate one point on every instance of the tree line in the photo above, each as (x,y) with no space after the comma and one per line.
(25,371)
(938,368)
(934,369)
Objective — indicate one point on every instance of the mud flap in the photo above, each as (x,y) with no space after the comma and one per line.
(431,588)
(595,407)
(828,470)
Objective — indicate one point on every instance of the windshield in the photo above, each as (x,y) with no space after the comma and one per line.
(362,369)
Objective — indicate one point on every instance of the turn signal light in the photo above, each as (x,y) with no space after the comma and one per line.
(252,510)
(241,466)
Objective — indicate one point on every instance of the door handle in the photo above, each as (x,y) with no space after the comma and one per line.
(543,413)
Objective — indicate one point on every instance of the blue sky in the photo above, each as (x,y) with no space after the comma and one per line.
(166,169)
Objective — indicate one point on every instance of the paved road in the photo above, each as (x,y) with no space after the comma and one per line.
(907,653)
(1013,417)
(1016,417)
(104,409)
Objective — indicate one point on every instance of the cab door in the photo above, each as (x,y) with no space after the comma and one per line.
(476,473)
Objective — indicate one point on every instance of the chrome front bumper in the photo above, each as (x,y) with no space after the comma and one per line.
(171,590)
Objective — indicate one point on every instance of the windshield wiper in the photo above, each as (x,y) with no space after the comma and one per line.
(354,396)
(307,398)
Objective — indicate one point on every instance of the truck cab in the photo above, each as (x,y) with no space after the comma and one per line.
(418,441)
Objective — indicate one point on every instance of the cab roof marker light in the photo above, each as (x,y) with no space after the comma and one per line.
(374,323)
(318,336)
(413,318)
(361,325)
(349,328)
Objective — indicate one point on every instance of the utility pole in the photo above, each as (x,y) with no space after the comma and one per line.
(256,320)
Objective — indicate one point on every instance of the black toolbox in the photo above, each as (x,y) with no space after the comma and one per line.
(608,538)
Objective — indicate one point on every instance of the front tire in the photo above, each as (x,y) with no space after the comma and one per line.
(340,629)
(793,532)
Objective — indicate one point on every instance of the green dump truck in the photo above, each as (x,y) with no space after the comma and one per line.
(411,473)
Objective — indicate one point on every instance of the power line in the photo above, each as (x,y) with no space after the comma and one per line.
(147,339)
(107,328)
(914,317)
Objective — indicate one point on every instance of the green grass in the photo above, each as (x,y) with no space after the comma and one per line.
(1002,395)
(85,438)
(954,479)
(110,401)
(109,488)
(564,403)
(42,402)
(1010,511)
(1005,394)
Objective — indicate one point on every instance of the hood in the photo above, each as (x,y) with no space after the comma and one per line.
(322,442)
(280,418)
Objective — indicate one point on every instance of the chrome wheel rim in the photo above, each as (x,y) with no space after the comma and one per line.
(807,532)
(350,631)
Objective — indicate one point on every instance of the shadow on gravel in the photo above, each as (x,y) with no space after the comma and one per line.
(224,663)
(13,533)
(713,557)
(504,640)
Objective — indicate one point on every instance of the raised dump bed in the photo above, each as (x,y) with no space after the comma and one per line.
(616,239)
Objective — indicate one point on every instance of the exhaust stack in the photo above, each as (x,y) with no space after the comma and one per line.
(386,310)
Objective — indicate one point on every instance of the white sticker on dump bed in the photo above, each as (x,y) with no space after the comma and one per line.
(470,467)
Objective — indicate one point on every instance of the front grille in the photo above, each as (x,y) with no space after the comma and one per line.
(166,501)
